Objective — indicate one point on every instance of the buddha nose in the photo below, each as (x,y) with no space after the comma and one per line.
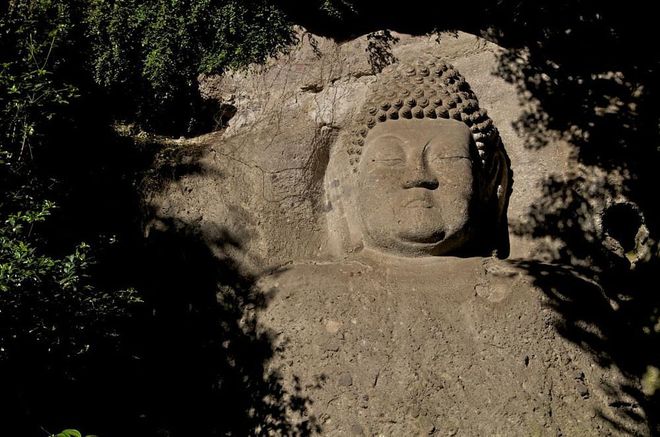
(428,183)
(421,179)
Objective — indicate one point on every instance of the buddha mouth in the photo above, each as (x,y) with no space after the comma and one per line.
(432,238)
(418,202)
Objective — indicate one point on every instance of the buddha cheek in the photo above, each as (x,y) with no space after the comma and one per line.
(455,210)
(376,202)
(381,188)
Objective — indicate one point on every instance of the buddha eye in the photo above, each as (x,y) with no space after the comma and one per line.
(389,161)
(444,159)
(385,151)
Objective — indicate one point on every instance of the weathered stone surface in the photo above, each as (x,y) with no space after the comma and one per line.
(437,345)
(377,323)
(265,172)
(421,170)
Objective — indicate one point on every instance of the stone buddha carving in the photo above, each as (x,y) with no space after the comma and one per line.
(414,327)
(417,187)
(428,173)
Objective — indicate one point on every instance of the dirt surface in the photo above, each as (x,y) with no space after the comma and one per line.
(446,346)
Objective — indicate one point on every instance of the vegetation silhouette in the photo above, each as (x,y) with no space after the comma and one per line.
(191,359)
(586,78)
(193,362)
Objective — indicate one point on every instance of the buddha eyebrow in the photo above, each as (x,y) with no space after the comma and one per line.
(428,143)
(453,157)
(426,146)
(388,136)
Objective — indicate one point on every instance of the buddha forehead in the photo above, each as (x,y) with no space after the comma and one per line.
(426,89)
(440,135)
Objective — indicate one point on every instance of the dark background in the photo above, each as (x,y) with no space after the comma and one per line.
(191,362)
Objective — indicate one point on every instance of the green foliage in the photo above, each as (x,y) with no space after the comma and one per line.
(30,95)
(151,53)
(338,9)
(143,56)
(68,69)
(70,433)
(48,305)
(144,59)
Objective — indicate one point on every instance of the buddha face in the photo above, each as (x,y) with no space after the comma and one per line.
(415,186)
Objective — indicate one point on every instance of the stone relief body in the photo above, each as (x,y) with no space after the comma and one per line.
(416,327)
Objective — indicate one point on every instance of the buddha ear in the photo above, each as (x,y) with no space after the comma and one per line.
(495,187)
(500,179)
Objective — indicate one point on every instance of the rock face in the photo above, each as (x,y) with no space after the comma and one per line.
(265,173)
(421,171)
(439,346)
(375,200)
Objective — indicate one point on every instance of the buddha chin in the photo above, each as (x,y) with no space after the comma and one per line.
(421,225)
(427,232)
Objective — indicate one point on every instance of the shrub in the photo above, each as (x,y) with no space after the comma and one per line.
(148,55)
(49,308)
(48,305)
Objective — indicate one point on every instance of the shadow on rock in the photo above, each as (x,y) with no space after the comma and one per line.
(204,357)
(191,359)
(615,333)
(583,77)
